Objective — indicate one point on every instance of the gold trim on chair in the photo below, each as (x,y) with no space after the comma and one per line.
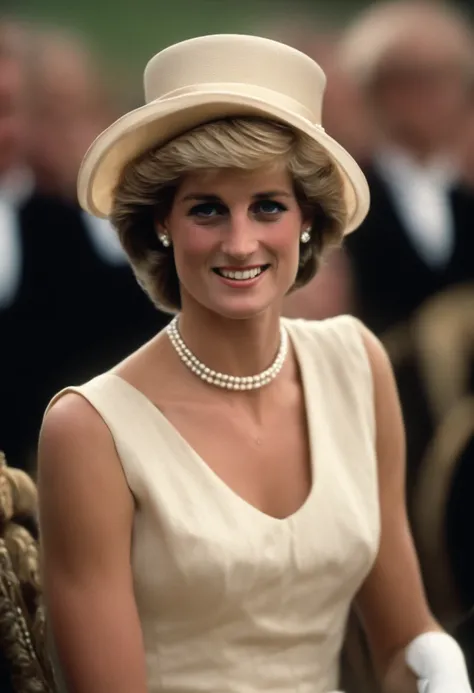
(429,509)
(398,341)
(443,332)
(357,670)
(18,635)
(22,622)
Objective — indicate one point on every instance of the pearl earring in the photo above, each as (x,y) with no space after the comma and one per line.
(305,235)
(165,239)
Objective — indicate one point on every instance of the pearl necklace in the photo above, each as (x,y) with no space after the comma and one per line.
(230,382)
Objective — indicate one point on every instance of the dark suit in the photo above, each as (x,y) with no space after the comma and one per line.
(392,280)
(74,316)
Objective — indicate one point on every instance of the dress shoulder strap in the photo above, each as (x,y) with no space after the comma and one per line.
(339,359)
(137,427)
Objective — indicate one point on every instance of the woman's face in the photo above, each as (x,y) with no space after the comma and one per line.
(235,237)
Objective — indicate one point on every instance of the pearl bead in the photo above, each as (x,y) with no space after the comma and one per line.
(224,380)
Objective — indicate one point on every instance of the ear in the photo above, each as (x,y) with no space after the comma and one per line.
(307,214)
(161,230)
(160,227)
(162,234)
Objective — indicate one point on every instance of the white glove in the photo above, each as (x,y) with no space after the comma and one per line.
(438,662)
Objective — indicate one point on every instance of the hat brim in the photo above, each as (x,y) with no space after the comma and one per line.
(160,121)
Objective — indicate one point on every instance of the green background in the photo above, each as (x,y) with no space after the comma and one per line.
(126,33)
(130,31)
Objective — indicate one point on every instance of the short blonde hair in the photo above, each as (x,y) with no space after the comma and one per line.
(147,186)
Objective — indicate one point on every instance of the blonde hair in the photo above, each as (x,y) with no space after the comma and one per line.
(147,186)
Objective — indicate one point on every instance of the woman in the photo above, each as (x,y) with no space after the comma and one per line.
(213,506)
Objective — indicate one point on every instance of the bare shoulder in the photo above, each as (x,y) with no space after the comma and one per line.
(86,515)
(379,361)
(77,460)
(390,430)
(72,428)
(69,418)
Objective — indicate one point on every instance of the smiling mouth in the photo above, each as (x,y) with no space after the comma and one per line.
(240,274)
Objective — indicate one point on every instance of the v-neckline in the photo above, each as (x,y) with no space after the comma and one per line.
(308,385)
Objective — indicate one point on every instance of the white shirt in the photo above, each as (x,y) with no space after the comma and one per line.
(421,196)
(14,189)
(104,239)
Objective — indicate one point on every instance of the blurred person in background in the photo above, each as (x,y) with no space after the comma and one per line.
(14,177)
(345,115)
(77,307)
(414,62)
(69,103)
(331,292)
(17,352)
(466,146)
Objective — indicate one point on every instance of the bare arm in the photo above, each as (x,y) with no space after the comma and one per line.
(392,602)
(86,512)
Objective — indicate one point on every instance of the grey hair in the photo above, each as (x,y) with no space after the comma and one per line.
(385,26)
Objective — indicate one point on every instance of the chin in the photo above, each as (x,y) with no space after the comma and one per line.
(243,313)
(241,309)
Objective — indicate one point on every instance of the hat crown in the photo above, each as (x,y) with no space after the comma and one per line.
(226,59)
(210,78)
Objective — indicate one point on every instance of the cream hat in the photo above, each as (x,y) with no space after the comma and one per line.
(213,77)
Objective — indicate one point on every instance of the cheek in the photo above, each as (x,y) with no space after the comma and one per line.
(284,240)
(194,243)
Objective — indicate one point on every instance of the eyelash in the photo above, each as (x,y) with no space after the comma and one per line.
(200,209)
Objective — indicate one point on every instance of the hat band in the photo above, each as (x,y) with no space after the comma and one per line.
(263,94)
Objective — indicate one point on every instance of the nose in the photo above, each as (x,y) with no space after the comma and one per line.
(239,239)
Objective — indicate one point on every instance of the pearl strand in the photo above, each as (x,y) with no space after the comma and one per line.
(229,382)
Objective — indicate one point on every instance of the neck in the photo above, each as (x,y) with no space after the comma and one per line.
(235,347)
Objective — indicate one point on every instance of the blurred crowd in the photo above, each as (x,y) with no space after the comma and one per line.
(400,98)
(69,305)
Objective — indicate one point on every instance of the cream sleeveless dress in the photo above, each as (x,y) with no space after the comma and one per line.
(230,599)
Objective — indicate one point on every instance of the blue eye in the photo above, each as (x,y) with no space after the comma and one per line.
(206,210)
(269,207)
(212,210)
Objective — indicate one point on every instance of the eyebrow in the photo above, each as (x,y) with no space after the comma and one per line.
(201,197)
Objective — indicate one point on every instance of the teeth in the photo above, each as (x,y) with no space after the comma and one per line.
(241,274)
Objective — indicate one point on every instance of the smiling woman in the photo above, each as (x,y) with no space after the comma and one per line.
(270,157)
(213,506)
